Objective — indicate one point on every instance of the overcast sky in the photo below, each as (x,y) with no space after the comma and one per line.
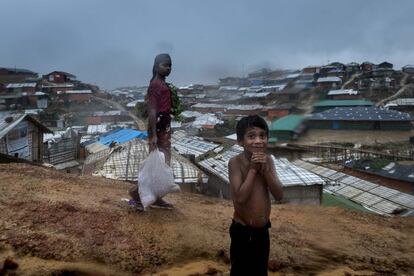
(113,43)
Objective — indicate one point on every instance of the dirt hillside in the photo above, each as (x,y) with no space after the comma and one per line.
(54,223)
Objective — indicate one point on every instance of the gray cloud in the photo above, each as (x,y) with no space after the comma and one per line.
(113,43)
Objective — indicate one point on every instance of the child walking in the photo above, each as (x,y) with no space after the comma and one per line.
(252,176)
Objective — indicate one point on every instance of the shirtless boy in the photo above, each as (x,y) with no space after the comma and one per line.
(252,176)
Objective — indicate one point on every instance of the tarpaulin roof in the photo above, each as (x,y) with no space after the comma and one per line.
(193,145)
(361,114)
(377,198)
(343,103)
(343,92)
(401,101)
(20,85)
(122,135)
(391,170)
(123,163)
(287,123)
(288,173)
(329,79)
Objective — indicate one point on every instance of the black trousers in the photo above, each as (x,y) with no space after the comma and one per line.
(249,249)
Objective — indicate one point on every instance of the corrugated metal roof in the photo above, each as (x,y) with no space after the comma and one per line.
(190,114)
(79,92)
(292,175)
(97,129)
(218,165)
(86,138)
(54,136)
(123,163)
(228,106)
(287,123)
(16,118)
(273,87)
(107,113)
(5,127)
(58,85)
(21,85)
(96,147)
(349,191)
(288,173)
(39,93)
(191,145)
(133,103)
(329,79)
(360,114)
(392,170)
(206,119)
(121,136)
(256,95)
(401,102)
(333,103)
(343,92)
(228,87)
(292,76)
(363,185)
(403,199)
(379,199)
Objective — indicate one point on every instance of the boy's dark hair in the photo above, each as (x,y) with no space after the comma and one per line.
(249,122)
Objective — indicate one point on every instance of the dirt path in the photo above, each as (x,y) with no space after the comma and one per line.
(53,222)
(351,80)
(140,124)
(307,106)
(404,87)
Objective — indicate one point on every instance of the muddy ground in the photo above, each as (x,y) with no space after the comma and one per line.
(54,223)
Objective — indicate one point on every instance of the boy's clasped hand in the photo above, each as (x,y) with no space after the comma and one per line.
(258,162)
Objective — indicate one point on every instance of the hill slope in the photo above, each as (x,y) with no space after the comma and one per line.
(53,222)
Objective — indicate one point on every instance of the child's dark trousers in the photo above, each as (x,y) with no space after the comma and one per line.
(249,249)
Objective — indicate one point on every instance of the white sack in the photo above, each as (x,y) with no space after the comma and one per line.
(155,179)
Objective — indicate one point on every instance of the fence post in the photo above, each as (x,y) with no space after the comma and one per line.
(127,164)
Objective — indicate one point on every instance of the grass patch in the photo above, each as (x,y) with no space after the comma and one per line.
(342,202)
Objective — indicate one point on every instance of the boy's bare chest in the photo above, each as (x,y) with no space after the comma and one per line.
(244,168)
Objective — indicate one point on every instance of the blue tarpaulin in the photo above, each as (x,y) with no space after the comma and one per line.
(121,135)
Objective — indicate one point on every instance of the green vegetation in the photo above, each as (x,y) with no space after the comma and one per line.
(342,202)
(141,111)
(320,93)
(176,106)
(227,128)
(373,163)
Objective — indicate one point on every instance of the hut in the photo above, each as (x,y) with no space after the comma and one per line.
(286,128)
(21,136)
(299,185)
(360,118)
(329,104)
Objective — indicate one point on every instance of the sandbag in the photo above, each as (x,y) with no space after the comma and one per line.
(155,179)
